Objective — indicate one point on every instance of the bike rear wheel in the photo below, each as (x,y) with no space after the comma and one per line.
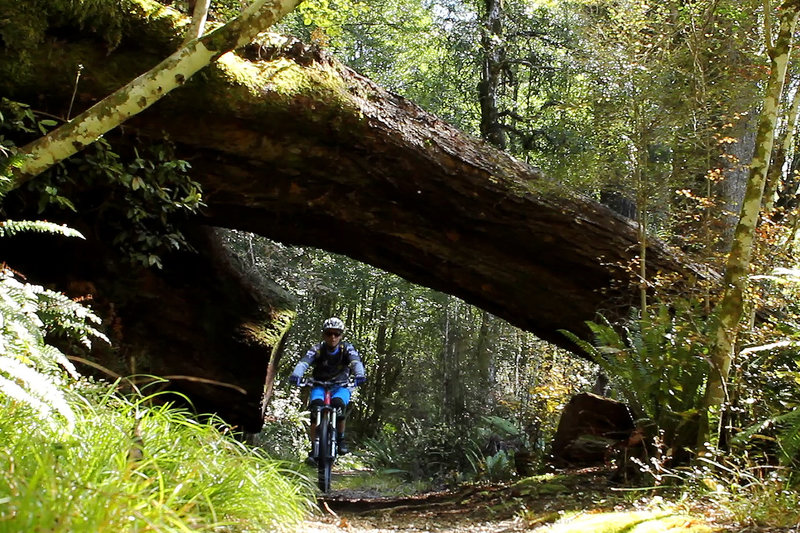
(325,460)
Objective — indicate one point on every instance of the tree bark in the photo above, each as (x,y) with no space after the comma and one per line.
(492,62)
(784,142)
(199,16)
(483,354)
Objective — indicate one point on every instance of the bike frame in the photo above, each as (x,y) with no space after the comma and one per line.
(326,415)
(325,447)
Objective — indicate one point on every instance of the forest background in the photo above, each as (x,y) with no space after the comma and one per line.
(651,109)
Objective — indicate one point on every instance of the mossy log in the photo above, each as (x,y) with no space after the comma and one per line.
(289,143)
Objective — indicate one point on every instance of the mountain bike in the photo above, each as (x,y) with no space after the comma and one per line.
(325,447)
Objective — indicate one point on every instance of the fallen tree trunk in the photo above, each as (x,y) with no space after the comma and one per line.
(317,155)
(290,144)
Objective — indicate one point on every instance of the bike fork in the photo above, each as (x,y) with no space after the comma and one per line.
(315,444)
(332,417)
(319,420)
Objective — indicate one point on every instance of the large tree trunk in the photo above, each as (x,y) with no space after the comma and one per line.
(285,141)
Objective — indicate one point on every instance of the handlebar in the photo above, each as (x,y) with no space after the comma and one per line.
(327,384)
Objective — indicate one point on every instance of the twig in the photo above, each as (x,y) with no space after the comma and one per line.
(74,89)
(328,508)
(135,381)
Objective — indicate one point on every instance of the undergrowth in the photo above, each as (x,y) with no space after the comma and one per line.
(131,466)
(80,456)
(744,492)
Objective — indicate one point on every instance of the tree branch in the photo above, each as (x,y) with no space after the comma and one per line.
(147,89)
(198,25)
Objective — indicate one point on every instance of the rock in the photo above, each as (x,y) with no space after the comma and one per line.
(589,426)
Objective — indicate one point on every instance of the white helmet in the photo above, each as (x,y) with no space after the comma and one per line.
(333,323)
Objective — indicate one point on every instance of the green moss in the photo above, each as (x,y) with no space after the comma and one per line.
(107,19)
(279,327)
(154,26)
(631,522)
(284,80)
(547,484)
(535,480)
(271,332)
(552,488)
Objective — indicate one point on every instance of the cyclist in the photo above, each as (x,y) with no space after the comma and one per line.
(332,360)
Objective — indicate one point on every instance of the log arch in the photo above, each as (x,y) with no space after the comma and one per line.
(290,144)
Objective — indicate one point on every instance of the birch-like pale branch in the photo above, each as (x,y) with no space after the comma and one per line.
(147,89)
(198,25)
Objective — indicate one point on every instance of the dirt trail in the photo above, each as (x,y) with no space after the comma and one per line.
(474,509)
(384,516)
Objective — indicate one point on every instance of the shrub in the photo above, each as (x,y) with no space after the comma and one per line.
(442,452)
(285,431)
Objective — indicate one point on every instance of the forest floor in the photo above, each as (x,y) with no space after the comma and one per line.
(570,501)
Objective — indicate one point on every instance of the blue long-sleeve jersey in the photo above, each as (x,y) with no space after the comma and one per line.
(331,366)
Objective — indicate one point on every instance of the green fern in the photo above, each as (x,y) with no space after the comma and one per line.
(654,360)
(788,436)
(7,162)
(9,228)
(31,370)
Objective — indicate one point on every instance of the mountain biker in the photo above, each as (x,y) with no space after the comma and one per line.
(332,360)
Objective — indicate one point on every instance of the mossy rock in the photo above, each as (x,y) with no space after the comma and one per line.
(540,485)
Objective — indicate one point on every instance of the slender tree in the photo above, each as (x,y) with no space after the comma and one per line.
(730,309)
(492,64)
(783,147)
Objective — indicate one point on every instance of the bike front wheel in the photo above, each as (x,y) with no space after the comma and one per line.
(325,460)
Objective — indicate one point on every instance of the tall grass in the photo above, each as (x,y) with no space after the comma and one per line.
(128,466)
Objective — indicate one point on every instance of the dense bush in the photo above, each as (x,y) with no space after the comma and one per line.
(471,450)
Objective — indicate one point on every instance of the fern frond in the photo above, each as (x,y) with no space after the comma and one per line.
(35,382)
(581,343)
(9,228)
(31,370)
(7,162)
(789,435)
(55,355)
(12,390)
(652,362)
(64,316)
